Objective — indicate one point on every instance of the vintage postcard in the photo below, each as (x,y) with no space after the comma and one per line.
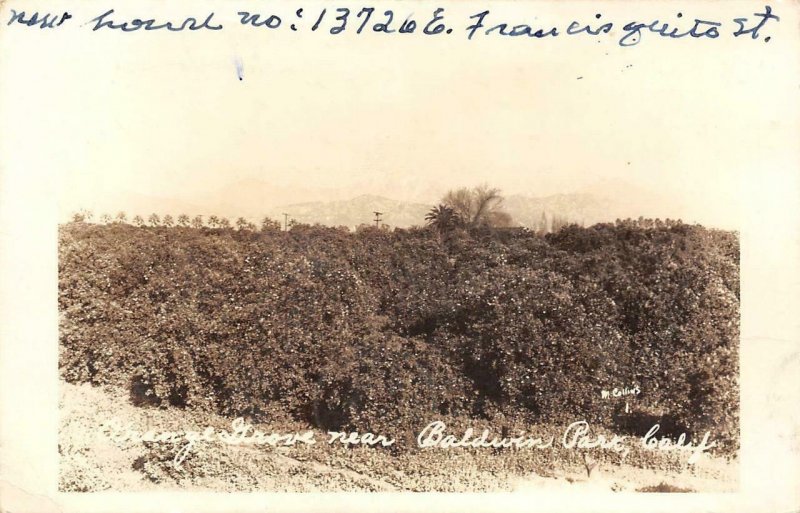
(400,255)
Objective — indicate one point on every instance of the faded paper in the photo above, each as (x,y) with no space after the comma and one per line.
(311,127)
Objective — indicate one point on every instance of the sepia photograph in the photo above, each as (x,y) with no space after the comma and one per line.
(311,248)
(411,304)
(452,352)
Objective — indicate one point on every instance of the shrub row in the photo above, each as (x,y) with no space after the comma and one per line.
(388,330)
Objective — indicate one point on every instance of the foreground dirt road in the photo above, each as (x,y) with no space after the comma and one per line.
(90,461)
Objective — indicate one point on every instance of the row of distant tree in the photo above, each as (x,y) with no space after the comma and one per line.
(198,221)
(477,207)
(460,208)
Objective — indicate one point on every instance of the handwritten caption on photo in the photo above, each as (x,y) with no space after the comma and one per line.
(435,435)
(438,23)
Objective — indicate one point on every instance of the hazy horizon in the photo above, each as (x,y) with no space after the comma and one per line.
(257,199)
(415,117)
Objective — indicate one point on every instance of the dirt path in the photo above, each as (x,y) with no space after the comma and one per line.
(92,462)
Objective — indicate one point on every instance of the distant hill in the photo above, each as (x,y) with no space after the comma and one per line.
(354,212)
(604,201)
(254,199)
(582,208)
(578,208)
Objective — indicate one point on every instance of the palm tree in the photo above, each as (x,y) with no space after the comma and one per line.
(122,217)
(224,223)
(242,224)
(197,222)
(213,221)
(443,219)
(138,221)
(183,220)
(105,218)
(168,221)
(154,220)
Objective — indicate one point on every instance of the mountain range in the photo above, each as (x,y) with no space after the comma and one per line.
(255,199)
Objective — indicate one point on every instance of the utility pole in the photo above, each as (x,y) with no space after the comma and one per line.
(377,218)
(285,222)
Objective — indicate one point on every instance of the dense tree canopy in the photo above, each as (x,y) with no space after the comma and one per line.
(385,328)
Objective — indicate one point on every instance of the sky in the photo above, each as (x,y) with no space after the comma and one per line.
(165,114)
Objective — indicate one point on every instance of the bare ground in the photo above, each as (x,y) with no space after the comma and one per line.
(91,461)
